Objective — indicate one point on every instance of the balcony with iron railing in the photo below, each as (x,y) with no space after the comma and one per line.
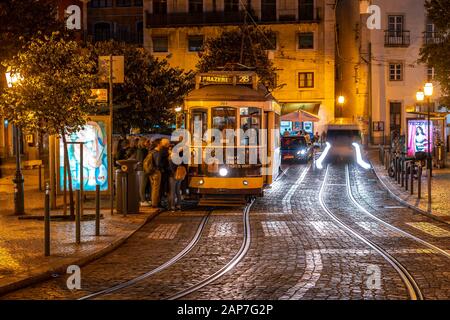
(394,38)
(120,36)
(211,18)
(433,37)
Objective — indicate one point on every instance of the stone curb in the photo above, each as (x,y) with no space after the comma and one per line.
(404,202)
(46,275)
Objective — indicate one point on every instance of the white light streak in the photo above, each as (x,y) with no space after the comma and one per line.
(322,157)
(359,159)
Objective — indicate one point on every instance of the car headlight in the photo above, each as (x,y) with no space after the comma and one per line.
(223,172)
(302,152)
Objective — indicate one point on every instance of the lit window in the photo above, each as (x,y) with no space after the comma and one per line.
(430,74)
(306,79)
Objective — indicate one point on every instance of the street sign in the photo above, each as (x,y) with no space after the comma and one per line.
(118,74)
(101,95)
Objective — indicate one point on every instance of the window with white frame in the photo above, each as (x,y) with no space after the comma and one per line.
(430,73)
(395,71)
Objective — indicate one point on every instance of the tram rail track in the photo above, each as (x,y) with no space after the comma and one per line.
(387,224)
(242,252)
(186,250)
(195,239)
(413,289)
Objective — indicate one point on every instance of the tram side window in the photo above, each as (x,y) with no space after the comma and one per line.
(250,119)
(224,118)
(199,124)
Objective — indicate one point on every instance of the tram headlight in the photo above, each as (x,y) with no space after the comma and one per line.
(223,172)
(201,181)
(245,183)
(301,152)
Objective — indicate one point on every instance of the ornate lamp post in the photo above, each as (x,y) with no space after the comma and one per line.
(19,207)
(428,91)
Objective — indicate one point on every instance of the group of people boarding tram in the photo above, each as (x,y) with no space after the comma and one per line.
(160,179)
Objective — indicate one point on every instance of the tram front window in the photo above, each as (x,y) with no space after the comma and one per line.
(199,124)
(224,118)
(250,119)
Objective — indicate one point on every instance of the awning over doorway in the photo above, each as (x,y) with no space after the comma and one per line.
(310,107)
(300,116)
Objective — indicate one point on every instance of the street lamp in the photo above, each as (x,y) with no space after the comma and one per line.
(341,101)
(428,91)
(19,207)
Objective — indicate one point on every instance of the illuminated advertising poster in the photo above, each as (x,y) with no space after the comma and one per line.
(95,157)
(418,140)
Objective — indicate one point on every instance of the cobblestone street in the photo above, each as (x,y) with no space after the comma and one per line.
(316,234)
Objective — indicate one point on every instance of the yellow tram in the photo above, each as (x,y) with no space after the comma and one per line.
(234,127)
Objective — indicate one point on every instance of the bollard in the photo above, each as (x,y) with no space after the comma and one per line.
(47,221)
(97,210)
(78,217)
(40,177)
(419,182)
(407,165)
(124,195)
(402,172)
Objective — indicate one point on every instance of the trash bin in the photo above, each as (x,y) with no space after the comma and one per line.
(127,187)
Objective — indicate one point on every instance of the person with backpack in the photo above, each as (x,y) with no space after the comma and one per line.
(177,174)
(152,164)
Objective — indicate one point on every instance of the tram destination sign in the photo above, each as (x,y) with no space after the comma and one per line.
(241,79)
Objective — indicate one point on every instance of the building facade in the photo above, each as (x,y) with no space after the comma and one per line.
(121,20)
(378,68)
(303,49)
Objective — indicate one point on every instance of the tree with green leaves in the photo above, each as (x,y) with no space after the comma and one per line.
(436,53)
(246,45)
(53,95)
(23,19)
(151,90)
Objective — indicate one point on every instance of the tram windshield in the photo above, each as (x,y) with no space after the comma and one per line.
(250,120)
(224,118)
(199,123)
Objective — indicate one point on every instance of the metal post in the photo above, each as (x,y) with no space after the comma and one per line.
(19,206)
(407,165)
(47,221)
(402,168)
(111,121)
(40,177)
(97,210)
(419,182)
(65,185)
(124,195)
(81,178)
(78,217)
(412,167)
(430,160)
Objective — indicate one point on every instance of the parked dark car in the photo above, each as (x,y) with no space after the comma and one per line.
(296,149)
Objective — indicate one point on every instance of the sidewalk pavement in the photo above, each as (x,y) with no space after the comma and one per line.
(22,260)
(440,189)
